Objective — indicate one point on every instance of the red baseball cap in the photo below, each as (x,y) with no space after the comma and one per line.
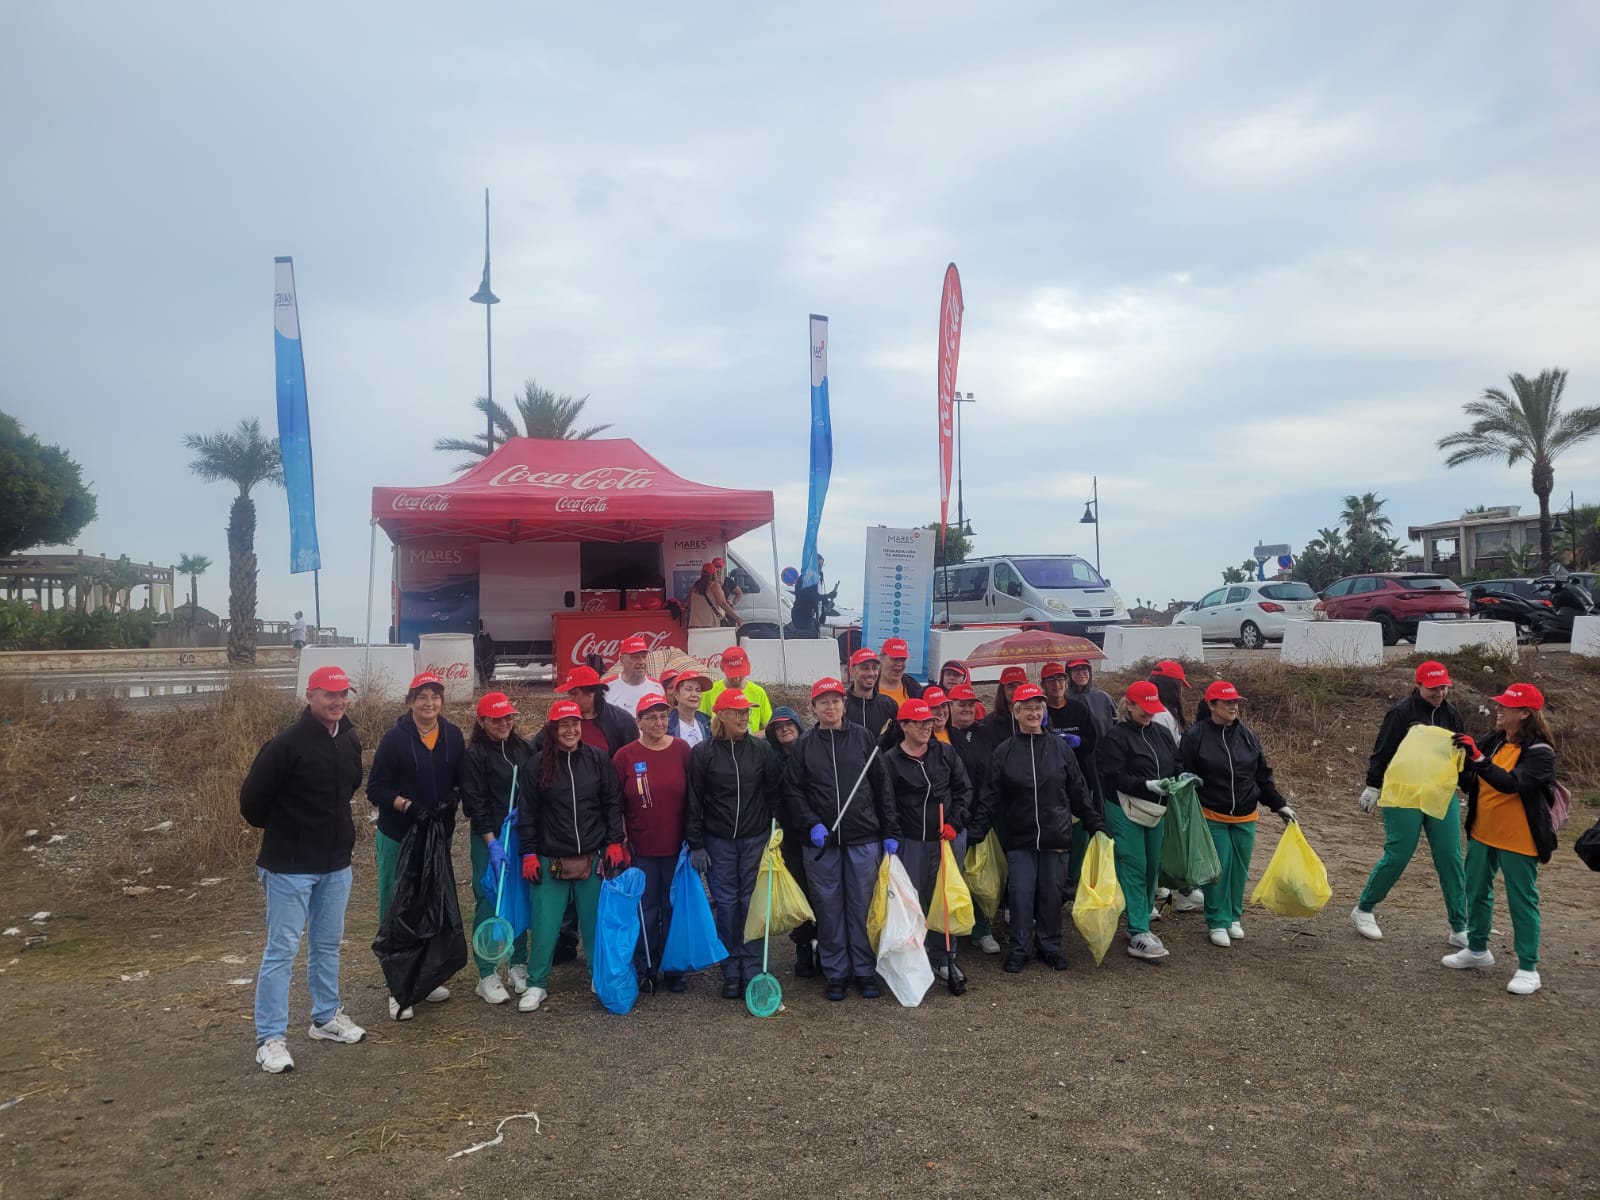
(914,710)
(1144,694)
(933,697)
(1078,662)
(896,648)
(1171,670)
(669,680)
(653,700)
(1050,670)
(1520,695)
(1222,690)
(735,663)
(719,562)
(579,677)
(634,645)
(682,677)
(864,655)
(496,704)
(961,691)
(426,679)
(825,685)
(1013,675)
(562,709)
(732,698)
(1028,691)
(708,568)
(1432,674)
(329,679)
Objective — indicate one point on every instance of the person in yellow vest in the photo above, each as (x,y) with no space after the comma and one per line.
(1509,783)
(736,677)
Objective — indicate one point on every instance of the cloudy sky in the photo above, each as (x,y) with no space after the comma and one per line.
(1237,260)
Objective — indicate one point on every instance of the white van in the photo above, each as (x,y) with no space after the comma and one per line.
(1063,589)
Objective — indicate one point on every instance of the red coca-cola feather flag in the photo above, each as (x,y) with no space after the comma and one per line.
(950,309)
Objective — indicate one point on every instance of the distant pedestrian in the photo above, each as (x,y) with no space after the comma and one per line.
(298,793)
(297,631)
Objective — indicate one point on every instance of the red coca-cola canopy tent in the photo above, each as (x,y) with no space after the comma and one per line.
(536,489)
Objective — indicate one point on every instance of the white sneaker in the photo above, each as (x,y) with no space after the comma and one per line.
(1155,914)
(273,1055)
(519,979)
(438,996)
(1188,901)
(531,999)
(1236,932)
(338,1028)
(988,945)
(1219,937)
(1462,959)
(492,990)
(1147,946)
(1163,894)
(396,1013)
(1367,926)
(1458,939)
(1524,983)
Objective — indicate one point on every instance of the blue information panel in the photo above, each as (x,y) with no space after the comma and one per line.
(898,599)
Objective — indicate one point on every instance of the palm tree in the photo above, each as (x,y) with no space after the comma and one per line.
(543,413)
(1525,426)
(1364,514)
(243,458)
(194,566)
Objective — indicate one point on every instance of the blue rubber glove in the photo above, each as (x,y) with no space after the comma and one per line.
(891,846)
(497,857)
(1074,740)
(819,836)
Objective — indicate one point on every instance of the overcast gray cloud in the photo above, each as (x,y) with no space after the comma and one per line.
(1237,261)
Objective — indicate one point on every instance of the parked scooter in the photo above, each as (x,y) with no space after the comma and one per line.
(1568,599)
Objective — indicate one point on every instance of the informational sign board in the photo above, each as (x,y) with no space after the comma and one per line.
(898,599)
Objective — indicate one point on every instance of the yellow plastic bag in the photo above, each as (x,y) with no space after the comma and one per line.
(950,894)
(878,910)
(790,909)
(986,873)
(1099,901)
(1295,883)
(1424,771)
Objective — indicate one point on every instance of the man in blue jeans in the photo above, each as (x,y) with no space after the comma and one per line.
(298,792)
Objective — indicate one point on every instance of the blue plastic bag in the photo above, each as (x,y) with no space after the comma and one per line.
(616,935)
(517,907)
(692,941)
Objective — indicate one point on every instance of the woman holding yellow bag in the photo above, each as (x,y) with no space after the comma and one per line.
(1133,757)
(927,778)
(1428,705)
(1235,779)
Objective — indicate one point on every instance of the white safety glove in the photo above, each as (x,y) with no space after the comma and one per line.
(1286,813)
(1369,799)
(1153,786)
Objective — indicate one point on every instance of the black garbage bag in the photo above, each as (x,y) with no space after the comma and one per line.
(421,943)
(1588,846)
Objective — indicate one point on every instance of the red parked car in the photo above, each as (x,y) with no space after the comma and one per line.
(1396,600)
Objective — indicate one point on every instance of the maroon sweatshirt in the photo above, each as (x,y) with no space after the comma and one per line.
(655,799)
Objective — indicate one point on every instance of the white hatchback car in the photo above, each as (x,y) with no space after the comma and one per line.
(1250,614)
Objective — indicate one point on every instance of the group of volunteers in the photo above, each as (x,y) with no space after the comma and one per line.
(630,769)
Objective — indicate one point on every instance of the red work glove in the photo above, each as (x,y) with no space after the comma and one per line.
(1464,740)
(617,859)
(947,833)
(530,867)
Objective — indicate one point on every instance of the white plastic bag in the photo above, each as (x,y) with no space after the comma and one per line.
(902,947)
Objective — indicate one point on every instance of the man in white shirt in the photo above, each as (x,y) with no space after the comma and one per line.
(629,684)
(297,631)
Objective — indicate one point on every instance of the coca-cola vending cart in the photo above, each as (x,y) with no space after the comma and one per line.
(580,634)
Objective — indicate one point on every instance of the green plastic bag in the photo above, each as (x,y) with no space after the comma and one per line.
(1188,855)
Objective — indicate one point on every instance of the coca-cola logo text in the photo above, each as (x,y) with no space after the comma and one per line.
(581,504)
(432,502)
(610,648)
(455,670)
(595,479)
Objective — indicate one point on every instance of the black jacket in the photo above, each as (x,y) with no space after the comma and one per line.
(1397,722)
(871,713)
(618,727)
(1075,717)
(1033,791)
(298,791)
(1533,779)
(1233,770)
(912,688)
(735,789)
(486,781)
(1101,706)
(579,813)
(1130,755)
(975,747)
(921,785)
(823,766)
(403,766)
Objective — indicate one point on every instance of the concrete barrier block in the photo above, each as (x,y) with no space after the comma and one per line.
(1586,636)
(809,659)
(1332,644)
(383,671)
(1447,637)
(1128,644)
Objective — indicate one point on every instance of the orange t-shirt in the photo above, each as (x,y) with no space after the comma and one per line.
(897,694)
(431,738)
(1501,820)
(942,736)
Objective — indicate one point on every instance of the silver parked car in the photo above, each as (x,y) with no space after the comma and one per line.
(1250,614)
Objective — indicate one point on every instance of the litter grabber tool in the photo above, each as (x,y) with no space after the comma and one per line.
(845,807)
(492,941)
(764,994)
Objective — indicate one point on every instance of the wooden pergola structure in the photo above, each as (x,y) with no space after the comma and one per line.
(41,576)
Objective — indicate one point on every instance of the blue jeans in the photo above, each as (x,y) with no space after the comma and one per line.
(299,904)
(732,865)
